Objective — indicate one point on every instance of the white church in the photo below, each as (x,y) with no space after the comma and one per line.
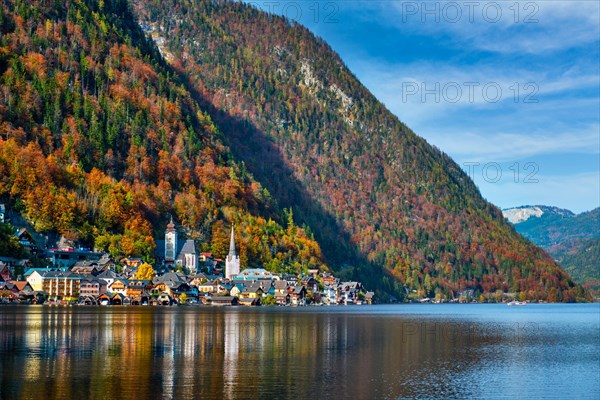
(232,262)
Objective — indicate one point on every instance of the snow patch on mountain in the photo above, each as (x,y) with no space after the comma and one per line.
(520,214)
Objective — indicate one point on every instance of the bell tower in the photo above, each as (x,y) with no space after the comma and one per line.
(232,262)
(170,243)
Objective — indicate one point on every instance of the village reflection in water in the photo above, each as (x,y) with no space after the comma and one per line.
(203,352)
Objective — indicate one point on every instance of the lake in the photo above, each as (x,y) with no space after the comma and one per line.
(354,352)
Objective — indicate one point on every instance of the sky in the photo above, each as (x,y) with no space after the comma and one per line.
(509,89)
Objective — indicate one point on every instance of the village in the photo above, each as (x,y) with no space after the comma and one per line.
(78,276)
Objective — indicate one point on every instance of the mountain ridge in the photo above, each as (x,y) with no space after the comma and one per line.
(519,214)
(572,239)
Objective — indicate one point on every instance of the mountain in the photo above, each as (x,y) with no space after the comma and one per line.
(520,214)
(236,116)
(386,207)
(573,240)
(101,142)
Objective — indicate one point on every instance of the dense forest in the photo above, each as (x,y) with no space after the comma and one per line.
(572,240)
(581,259)
(385,206)
(238,117)
(101,142)
(554,227)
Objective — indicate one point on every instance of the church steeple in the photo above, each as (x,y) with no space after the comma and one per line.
(232,244)
(232,261)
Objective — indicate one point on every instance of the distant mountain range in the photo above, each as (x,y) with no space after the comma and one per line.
(572,239)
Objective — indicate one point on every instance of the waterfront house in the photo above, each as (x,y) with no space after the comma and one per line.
(108,276)
(331,294)
(20,289)
(104,298)
(165,300)
(61,285)
(5,274)
(198,279)
(86,267)
(26,240)
(329,280)
(251,291)
(169,282)
(184,288)
(35,278)
(119,299)
(291,280)
(282,299)
(224,300)
(208,287)
(92,287)
(236,290)
(297,295)
(247,301)
(160,288)
(119,286)
(137,287)
(267,286)
(132,262)
(310,283)
(87,300)
(106,262)
(280,287)
(143,298)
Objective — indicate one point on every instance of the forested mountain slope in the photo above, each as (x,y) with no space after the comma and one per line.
(573,240)
(101,142)
(385,206)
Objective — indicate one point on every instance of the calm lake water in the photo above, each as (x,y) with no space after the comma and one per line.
(361,352)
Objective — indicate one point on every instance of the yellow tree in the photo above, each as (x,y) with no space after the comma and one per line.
(145,272)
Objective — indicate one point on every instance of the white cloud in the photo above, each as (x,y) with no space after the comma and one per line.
(475,84)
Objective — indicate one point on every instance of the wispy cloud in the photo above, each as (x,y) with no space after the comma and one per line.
(503,27)
(554,114)
(499,147)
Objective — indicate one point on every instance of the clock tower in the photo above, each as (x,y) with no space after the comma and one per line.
(170,243)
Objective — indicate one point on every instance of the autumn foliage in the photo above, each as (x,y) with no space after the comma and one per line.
(387,208)
(102,139)
(101,142)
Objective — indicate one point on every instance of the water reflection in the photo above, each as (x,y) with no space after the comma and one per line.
(199,352)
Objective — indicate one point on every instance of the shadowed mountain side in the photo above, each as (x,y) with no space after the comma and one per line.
(265,161)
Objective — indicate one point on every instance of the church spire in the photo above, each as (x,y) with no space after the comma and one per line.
(232,262)
(232,244)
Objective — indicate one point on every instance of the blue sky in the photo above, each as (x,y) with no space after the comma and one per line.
(509,89)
